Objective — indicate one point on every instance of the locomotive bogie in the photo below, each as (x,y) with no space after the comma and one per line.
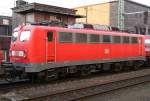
(1,70)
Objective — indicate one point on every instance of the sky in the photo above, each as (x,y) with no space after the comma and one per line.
(6,5)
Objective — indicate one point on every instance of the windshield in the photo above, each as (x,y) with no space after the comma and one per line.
(14,36)
(25,35)
(147,42)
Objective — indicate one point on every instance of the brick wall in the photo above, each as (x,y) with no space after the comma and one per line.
(114,14)
(96,14)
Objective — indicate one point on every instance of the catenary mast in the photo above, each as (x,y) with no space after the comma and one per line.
(121,11)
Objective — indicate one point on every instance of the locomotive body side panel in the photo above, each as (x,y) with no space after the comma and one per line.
(44,50)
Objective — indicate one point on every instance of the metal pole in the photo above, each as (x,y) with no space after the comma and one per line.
(46,50)
(55,48)
(147,27)
(121,14)
(86,12)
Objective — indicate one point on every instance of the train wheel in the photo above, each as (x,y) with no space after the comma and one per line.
(126,68)
(147,61)
(84,71)
(51,75)
(137,65)
(62,73)
(106,67)
(99,67)
(34,78)
(93,68)
(10,77)
(117,67)
(128,65)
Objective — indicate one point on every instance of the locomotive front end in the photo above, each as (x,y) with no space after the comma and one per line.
(32,47)
(18,53)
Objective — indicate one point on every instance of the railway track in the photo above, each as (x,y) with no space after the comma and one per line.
(16,86)
(79,89)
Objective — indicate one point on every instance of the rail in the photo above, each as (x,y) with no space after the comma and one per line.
(73,90)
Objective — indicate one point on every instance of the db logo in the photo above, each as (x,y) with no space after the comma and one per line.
(106,51)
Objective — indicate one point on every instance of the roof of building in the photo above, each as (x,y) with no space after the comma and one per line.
(37,7)
(117,1)
(5,17)
(138,3)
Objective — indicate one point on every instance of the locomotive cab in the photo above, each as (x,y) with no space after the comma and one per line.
(17,53)
(19,46)
(25,48)
(31,46)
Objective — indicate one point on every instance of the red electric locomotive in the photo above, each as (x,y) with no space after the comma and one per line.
(147,48)
(48,52)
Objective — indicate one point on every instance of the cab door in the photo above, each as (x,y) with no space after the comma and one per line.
(50,47)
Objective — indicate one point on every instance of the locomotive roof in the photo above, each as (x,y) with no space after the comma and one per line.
(29,27)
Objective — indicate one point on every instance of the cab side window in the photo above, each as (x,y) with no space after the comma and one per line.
(50,36)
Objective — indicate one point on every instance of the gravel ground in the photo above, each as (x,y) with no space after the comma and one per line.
(139,92)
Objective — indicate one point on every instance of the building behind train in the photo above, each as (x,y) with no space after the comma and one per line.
(107,13)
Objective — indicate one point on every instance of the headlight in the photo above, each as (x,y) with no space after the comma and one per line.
(17,53)
(21,53)
(13,53)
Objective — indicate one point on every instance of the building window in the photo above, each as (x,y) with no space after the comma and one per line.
(5,22)
(3,30)
(52,18)
(58,18)
(29,18)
